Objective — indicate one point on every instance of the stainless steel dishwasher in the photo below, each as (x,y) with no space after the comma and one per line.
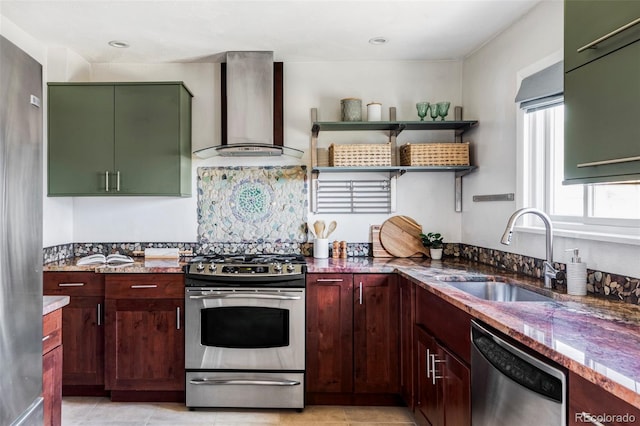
(510,387)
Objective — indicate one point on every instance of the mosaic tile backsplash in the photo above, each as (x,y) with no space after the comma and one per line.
(252,204)
(599,283)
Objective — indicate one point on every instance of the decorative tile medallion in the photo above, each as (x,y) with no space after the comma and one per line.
(252,204)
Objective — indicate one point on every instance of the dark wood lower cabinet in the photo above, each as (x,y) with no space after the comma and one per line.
(588,402)
(352,339)
(375,334)
(52,368)
(329,333)
(83,330)
(144,357)
(443,384)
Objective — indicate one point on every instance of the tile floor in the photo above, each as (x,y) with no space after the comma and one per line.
(78,411)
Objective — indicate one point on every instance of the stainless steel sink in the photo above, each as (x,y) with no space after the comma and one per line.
(497,291)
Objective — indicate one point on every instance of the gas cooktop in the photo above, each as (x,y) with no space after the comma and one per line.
(247,265)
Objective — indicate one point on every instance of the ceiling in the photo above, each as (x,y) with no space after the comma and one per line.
(296,30)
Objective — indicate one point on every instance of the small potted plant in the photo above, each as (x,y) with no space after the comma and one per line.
(433,241)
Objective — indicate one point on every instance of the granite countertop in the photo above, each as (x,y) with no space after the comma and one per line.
(595,338)
(52,303)
(140,266)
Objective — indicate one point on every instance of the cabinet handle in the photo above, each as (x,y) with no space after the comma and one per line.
(433,368)
(99,314)
(145,286)
(70,284)
(594,43)
(605,162)
(361,292)
(47,337)
(178,318)
(118,181)
(329,280)
(106,181)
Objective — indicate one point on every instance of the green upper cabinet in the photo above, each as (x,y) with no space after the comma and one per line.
(119,139)
(602,91)
(586,22)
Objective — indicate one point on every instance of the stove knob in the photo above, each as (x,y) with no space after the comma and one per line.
(200,267)
(290,268)
(277,267)
(213,267)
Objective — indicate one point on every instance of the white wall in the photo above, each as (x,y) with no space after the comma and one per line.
(426,197)
(490,85)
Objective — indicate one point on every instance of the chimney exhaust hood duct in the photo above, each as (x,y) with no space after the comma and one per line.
(249,86)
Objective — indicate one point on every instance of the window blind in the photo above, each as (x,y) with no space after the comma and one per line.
(542,89)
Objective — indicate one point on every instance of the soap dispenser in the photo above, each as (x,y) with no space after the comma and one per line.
(576,275)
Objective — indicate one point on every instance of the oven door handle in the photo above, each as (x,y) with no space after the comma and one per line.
(216,382)
(246,296)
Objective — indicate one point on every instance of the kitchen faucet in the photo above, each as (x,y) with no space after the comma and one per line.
(549,271)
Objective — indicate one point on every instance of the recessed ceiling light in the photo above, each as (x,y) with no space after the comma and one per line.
(119,44)
(378,40)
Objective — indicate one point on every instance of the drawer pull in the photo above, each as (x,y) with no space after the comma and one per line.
(235,382)
(595,43)
(145,286)
(47,337)
(605,162)
(435,376)
(329,280)
(70,284)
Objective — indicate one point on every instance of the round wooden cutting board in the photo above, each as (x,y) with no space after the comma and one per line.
(400,236)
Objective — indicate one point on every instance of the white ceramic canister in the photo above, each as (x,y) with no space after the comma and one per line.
(321,248)
(374,111)
(351,109)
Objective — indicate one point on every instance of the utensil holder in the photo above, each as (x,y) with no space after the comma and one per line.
(321,248)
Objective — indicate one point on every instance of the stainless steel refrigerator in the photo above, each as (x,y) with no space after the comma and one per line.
(20,237)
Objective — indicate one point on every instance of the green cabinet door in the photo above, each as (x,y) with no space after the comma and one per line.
(587,21)
(601,118)
(150,140)
(80,150)
(119,139)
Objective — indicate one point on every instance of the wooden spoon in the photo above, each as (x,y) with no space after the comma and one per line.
(318,225)
(332,227)
(313,232)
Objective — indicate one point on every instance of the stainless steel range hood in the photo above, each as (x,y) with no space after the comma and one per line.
(249,86)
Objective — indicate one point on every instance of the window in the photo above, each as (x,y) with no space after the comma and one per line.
(594,208)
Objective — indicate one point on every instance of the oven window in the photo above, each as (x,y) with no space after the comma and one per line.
(244,327)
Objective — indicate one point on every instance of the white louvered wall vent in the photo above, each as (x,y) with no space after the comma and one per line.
(354,196)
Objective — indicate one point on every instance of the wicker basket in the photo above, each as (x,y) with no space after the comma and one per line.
(435,154)
(360,155)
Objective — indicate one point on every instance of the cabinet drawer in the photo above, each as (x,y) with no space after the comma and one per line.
(329,279)
(149,286)
(447,323)
(51,330)
(73,284)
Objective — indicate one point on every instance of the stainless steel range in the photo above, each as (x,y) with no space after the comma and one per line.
(245,331)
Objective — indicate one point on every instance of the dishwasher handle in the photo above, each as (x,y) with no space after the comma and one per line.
(517,365)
